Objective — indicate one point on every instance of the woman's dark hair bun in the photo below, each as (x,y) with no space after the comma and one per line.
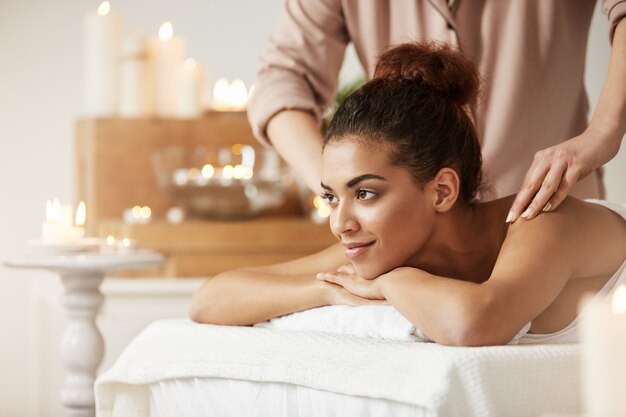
(442,69)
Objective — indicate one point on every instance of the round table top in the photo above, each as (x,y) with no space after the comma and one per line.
(88,261)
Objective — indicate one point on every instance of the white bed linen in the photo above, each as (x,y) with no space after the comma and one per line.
(439,380)
(215,397)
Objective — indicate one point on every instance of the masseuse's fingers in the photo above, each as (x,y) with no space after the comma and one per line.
(553,182)
(532,182)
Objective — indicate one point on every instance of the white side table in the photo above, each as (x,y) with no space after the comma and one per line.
(82,346)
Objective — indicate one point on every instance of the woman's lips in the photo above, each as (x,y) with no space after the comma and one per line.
(353,251)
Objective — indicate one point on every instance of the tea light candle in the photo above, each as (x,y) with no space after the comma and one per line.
(137,215)
(320,210)
(603,333)
(229,96)
(125,245)
(58,227)
(108,246)
(102,33)
(166,53)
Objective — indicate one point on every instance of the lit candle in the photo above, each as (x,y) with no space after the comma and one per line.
(125,245)
(238,95)
(220,95)
(102,32)
(603,333)
(58,227)
(190,86)
(166,54)
(229,96)
(137,215)
(108,246)
(319,210)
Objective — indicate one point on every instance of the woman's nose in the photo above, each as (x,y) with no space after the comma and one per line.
(342,220)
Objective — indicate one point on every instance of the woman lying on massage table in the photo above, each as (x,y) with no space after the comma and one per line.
(401,169)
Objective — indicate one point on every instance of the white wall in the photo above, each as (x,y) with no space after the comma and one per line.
(40,98)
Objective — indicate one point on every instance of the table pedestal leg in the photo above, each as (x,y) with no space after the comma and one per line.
(82,345)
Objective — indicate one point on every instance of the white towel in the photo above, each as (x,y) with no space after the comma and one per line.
(492,381)
(381,322)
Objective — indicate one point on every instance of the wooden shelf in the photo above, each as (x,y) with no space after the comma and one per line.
(204,248)
(114,172)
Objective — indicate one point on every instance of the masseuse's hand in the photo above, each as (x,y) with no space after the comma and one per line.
(346,277)
(557,169)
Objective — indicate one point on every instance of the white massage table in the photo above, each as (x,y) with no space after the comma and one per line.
(180,368)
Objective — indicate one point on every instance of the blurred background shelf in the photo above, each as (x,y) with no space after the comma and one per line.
(204,248)
(115,172)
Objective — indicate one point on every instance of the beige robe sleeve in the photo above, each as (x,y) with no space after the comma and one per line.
(615,11)
(300,65)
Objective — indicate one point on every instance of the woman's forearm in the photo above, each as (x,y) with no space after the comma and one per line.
(609,118)
(297,138)
(448,311)
(245,297)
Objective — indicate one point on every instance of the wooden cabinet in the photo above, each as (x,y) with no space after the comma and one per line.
(115,172)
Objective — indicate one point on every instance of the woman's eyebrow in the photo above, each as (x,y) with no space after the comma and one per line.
(354,181)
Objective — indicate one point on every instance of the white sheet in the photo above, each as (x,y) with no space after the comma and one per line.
(215,397)
(447,381)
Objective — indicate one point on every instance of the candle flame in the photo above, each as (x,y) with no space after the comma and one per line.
(220,94)
(208,171)
(126,242)
(238,95)
(229,96)
(104,8)
(247,173)
(110,240)
(136,212)
(146,212)
(81,214)
(323,211)
(619,300)
(166,31)
(321,206)
(227,172)
(190,64)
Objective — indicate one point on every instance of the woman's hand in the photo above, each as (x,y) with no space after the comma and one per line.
(346,277)
(557,169)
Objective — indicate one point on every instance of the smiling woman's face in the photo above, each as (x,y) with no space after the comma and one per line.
(379,214)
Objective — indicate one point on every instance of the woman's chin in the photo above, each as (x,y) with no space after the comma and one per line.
(369,272)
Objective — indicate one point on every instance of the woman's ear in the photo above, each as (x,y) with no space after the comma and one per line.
(445,189)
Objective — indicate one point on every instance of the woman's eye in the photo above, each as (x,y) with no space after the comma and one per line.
(365,194)
(330,198)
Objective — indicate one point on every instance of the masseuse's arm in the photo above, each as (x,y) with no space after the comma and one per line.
(534,265)
(557,169)
(296,137)
(252,295)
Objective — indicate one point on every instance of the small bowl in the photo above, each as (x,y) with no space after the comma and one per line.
(229,182)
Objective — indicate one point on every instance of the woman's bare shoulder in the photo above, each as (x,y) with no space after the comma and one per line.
(593,235)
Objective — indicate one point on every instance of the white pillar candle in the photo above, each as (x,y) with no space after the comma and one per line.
(102,31)
(190,87)
(603,334)
(135,94)
(221,92)
(58,228)
(167,53)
